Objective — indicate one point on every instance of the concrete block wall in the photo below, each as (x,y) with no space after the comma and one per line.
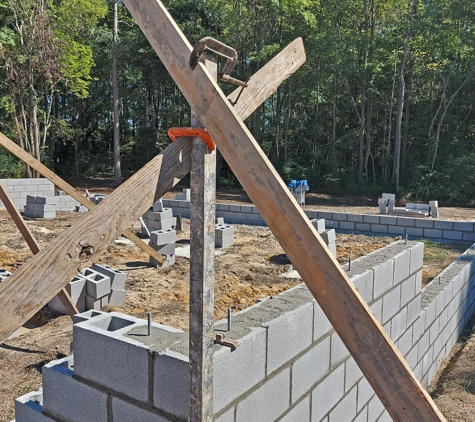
(18,189)
(372,224)
(290,364)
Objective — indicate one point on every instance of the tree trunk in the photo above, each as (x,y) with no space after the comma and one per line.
(406,116)
(115,95)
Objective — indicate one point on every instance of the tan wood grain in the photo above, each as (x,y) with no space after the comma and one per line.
(48,272)
(33,245)
(380,361)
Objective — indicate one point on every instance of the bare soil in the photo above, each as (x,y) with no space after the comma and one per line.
(247,271)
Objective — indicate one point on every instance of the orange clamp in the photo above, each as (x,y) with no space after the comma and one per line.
(175,132)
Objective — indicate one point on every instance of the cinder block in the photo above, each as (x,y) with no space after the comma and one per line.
(328,393)
(383,275)
(424,223)
(97,284)
(169,223)
(339,352)
(318,224)
(433,233)
(321,325)
(444,225)
(301,412)
(220,221)
(391,304)
(117,361)
(64,397)
(275,393)
(398,324)
(364,285)
(417,256)
(363,227)
(328,236)
(29,408)
(452,235)
(346,225)
(166,214)
(340,216)
(401,266)
(396,230)
(352,375)
(123,411)
(346,409)
(383,201)
(76,287)
(222,232)
(116,297)
(81,208)
(44,200)
(117,277)
(302,378)
(389,196)
(405,221)
(288,335)
(373,219)
(379,228)
(224,243)
(357,218)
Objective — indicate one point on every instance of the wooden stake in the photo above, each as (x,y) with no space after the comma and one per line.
(202,223)
(33,245)
(43,276)
(380,361)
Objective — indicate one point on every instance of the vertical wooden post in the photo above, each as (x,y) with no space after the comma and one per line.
(202,222)
(33,245)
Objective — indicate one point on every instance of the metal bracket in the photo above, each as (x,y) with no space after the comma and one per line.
(221,49)
(175,132)
(225,341)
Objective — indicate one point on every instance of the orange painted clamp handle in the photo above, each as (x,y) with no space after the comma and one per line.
(175,132)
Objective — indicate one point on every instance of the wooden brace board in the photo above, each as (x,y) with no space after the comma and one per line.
(378,358)
(43,276)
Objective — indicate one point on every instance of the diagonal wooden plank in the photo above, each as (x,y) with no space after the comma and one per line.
(23,293)
(46,172)
(33,245)
(378,358)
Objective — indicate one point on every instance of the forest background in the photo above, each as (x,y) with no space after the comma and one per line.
(384,101)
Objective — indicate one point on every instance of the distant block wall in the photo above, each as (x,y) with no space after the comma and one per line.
(290,364)
(18,189)
(414,228)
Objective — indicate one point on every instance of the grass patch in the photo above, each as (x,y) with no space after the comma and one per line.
(438,256)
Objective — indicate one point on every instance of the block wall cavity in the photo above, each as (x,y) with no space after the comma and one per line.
(290,364)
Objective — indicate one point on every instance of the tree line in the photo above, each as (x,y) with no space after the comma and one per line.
(383,102)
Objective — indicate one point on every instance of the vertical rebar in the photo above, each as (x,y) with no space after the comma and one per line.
(349,263)
(149,325)
(229,319)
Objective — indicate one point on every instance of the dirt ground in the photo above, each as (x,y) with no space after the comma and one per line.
(247,271)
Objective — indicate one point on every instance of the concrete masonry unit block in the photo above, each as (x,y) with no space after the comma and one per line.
(117,277)
(76,287)
(29,408)
(162,237)
(97,284)
(158,206)
(223,231)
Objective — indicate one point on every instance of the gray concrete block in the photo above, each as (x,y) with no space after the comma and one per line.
(117,277)
(414,232)
(66,398)
(405,221)
(408,288)
(223,231)
(246,365)
(433,233)
(247,208)
(169,260)
(346,225)
(387,220)
(224,243)
(116,297)
(383,277)
(81,208)
(220,221)
(328,236)
(328,393)
(235,208)
(317,358)
(169,223)
(445,225)
(319,224)
(93,303)
(373,219)
(162,237)
(97,284)
(378,228)
(357,218)
(383,209)
(364,285)
(321,324)
(332,224)
(44,200)
(29,408)
(452,235)
(299,413)
(166,214)
(401,266)
(398,324)
(424,223)
(417,257)
(123,411)
(391,304)
(340,216)
(227,416)
(363,227)
(396,230)
(375,409)
(268,402)
(345,409)
(288,335)
(76,287)
(414,310)
(377,309)
(117,361)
